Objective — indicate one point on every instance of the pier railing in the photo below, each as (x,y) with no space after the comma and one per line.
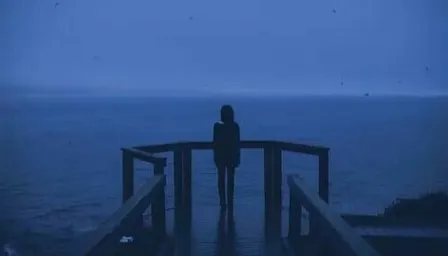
(324,223)
(330,232)
(182,155)
(105,240)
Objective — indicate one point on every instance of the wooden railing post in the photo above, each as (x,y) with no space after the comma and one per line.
(295,219)
(277,178)
(323,188)
(333,231)
(186,177)
(273,192)
(267,181)
(177,158)
(159,207)
(103,240)
(186,204)
(178,211)
(324,182)
(276,192)
(128,175)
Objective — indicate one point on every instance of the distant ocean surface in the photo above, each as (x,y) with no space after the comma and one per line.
(60,158)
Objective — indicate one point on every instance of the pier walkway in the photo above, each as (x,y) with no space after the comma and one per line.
(194,229)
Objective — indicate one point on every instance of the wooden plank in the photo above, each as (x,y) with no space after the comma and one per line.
(145,156)
(342,239)
(132,208)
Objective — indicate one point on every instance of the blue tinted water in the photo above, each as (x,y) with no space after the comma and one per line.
(61,168)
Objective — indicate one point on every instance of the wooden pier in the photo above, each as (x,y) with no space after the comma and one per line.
(124,232)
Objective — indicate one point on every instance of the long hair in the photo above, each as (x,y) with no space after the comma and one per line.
(227,114)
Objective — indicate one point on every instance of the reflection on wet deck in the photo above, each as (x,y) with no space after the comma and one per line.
(216,232)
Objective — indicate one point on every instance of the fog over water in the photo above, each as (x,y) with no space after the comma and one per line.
(239,47)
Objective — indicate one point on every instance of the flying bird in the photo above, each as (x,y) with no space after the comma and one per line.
(56,4)
(334,10)
(427,68)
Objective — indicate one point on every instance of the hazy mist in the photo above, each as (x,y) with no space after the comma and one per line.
(198,46)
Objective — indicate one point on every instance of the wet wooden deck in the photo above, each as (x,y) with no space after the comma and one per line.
(196,229)
(216,232)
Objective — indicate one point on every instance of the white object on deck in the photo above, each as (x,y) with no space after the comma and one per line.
(126,239)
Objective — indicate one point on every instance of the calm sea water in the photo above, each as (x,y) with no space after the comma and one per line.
(61,168)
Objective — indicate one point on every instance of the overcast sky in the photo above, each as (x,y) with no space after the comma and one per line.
(238,46)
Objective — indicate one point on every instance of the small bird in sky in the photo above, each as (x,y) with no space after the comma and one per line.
(334,10)
(56,4)
(426,68)
(342,82)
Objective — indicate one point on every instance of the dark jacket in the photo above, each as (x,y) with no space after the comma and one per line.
(226,144)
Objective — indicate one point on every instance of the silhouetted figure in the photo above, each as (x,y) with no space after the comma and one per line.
(226,153)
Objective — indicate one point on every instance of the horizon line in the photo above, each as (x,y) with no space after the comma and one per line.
(226,94)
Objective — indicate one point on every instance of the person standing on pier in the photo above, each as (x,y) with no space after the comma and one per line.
(226,153)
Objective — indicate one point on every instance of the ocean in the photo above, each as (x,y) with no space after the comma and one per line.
(60,158)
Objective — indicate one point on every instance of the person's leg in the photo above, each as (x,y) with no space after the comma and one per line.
(221,185)
(230,185)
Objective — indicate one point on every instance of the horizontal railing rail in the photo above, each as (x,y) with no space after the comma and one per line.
(182,171)
(273,154)
(145,156)
(245,144)
(95,243)
(328,227)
